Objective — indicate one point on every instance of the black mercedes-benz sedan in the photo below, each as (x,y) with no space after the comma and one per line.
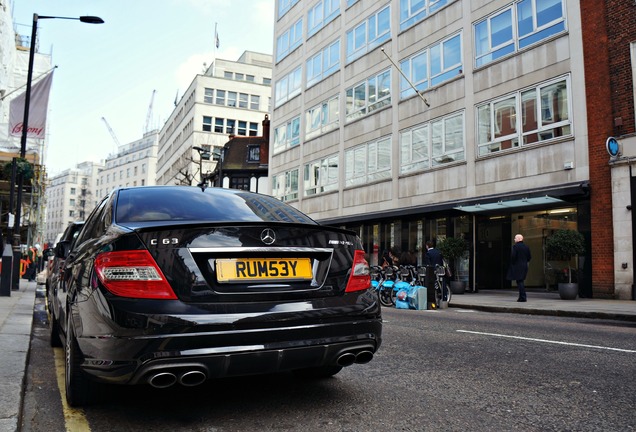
(177,285)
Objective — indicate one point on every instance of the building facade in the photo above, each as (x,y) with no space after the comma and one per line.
(231,98)
(15,44)
(408,121)
(609,40)
(243,163)
(134,164)
(70,196)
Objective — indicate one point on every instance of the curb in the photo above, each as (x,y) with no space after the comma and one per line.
(544,312)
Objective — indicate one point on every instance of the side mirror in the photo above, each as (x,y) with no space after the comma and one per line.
(62,249)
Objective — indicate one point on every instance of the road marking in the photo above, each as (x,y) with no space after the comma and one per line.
(74,418)
(548,341)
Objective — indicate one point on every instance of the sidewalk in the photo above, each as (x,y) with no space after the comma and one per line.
(542,302)
(16,319)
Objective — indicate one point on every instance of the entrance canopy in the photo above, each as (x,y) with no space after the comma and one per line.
(510,204)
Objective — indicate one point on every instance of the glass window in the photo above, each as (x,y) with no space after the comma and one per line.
(501,34)
(321,14)
(368,96)
(284,6)
(285,185)
(431,144)
(368,162)
(208,95)
(220,97)
(229,127)
(255,102)
(322,118)
(231,99)
(253,129)
(253,153)
(321,176)
(545,114)
(207,124)
(369,34)
(288,86)
(445,62)
(324,63)
(242,128)
(287,135)
(289,40)
(218,125)
(413,11)
(243,98)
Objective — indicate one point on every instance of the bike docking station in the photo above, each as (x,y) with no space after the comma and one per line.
(410,287)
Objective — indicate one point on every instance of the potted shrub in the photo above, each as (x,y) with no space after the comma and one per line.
(453,248)
(564,245)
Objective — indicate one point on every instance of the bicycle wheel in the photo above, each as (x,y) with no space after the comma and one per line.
(449,294)
(385,296)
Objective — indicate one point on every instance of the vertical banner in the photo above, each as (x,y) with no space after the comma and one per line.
(37,109)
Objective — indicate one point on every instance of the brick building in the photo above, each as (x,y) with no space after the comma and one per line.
(609,43)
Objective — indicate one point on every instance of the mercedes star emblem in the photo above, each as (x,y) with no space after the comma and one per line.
(268,236)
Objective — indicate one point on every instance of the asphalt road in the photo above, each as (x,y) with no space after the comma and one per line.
(450,370)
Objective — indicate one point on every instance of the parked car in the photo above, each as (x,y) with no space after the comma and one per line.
(55,270)
(176,284)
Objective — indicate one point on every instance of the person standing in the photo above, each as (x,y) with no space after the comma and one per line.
(433,256)
(518,270)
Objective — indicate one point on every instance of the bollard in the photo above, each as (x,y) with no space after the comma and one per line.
(7,266)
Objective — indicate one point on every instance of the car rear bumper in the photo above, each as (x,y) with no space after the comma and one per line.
(190,359)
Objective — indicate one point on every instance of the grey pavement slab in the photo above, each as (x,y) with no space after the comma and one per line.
(16,320)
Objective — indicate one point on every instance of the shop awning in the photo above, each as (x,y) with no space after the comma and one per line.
(510,204)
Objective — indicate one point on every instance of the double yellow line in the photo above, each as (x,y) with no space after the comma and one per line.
(74,418)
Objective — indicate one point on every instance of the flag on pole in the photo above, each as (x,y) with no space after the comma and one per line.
(38,108)
(216,37)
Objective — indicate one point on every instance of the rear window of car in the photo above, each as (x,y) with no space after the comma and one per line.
(184,203)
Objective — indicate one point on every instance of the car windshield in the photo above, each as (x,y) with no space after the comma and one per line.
(192,204)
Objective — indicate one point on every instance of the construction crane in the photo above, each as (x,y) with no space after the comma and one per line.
(149,115)
(112,134)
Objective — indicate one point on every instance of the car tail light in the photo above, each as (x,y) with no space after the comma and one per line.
(132,274)
(360,278)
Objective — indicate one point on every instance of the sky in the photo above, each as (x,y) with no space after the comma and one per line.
(110,70)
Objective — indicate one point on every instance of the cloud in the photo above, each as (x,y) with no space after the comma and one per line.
(193,65)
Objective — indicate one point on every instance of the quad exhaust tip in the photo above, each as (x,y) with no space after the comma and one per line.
(349,358)
(162,380)
(167,379)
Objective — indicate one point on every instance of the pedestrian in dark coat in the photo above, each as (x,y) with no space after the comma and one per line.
(433,256)
(518,270)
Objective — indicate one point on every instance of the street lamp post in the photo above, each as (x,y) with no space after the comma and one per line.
(23,142)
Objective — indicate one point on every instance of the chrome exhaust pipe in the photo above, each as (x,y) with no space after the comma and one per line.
(364,357)
(192,378)
(162,380)
(346,359)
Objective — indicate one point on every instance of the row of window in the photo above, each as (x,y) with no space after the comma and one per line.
(507,31)
(525,117)
(231,99)
(238,76)
(129,172)
(229,126)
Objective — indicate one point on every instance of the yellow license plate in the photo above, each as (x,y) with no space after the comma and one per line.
(263,269)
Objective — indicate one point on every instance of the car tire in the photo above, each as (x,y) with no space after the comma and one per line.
(318,372)
(80,390)
(54,330)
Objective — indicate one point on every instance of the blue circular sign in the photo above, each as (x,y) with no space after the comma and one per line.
(612,146)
